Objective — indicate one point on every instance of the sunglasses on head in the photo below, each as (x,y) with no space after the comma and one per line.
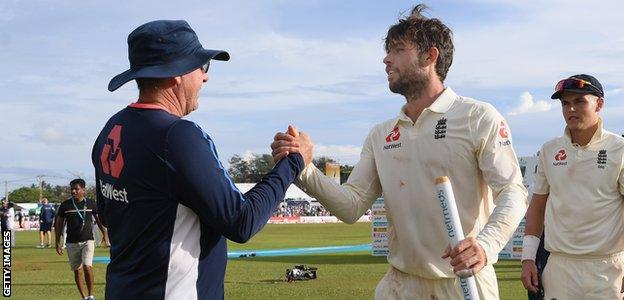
(205,67)
(574,83)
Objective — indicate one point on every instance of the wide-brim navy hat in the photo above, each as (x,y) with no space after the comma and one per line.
(163,49)
(581,83)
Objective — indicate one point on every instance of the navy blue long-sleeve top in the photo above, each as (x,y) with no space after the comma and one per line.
(169,205)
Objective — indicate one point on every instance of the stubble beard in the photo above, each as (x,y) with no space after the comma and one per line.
(411,84)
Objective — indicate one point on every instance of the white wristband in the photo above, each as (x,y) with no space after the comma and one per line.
(530,243)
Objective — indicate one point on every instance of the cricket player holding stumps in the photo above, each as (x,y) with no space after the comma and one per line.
(437,133)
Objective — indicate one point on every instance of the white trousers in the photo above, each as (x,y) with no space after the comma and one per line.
(397,285)
(577,278)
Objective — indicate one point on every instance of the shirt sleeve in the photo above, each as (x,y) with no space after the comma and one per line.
(499,165)
(541,185)
(621,179)
(101,206)
(352,199)
(61,210)
(94,207)
(205,187)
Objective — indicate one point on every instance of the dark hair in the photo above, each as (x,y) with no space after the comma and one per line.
(425,33)
(78,181)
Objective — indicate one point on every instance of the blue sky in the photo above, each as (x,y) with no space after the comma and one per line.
(315,64)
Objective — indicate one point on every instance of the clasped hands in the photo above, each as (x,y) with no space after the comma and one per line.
(292,141)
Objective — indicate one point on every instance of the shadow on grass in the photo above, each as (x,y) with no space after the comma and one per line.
(500,267)
(54,262)
(510,279)
(268,281)
(264,281)
(52,284)
(340,259)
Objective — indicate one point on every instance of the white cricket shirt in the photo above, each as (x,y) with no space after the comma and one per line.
(584,211)
(464,139)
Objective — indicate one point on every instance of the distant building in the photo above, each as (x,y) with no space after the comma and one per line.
(293,191)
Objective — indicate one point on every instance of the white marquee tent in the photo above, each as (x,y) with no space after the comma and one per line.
(293,191)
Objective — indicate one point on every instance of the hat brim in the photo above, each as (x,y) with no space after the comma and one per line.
(557,95)
(175,68)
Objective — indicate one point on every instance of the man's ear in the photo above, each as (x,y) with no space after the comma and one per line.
(599,104)
(431,56)
(170,82)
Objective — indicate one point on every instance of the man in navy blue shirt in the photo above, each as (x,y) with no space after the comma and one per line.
(46,218)
(168,203)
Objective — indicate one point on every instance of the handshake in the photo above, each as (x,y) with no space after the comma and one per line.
(293,141)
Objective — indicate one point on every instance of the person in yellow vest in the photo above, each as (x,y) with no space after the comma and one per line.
(437,133)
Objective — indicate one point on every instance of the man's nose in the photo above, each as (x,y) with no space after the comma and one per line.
(386,59)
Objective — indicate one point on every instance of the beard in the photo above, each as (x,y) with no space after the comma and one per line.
(411,84)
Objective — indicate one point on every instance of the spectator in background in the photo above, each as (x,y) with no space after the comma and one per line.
(78,213)
(20,219)
(46,218)
(8,220)
(100,238)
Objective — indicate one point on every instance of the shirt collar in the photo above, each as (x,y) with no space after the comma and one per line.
(598,135)
(444,101)
(147,106)
(441,105)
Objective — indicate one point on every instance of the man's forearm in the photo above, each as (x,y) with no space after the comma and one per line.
(101,226)
(58,230)
(511,205)
(348,201)
(535,216)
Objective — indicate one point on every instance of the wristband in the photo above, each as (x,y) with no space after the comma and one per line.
(530,243)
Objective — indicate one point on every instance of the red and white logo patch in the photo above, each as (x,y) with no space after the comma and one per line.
(394,135)
(561,155)
(502,130)
(111,157)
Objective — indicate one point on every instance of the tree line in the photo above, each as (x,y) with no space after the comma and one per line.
(242,170)
(56,193)
(252,169)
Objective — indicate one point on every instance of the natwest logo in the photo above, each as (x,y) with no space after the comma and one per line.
(394,135)
(502,131)
(561,155)
(109,191)
(560,158)
(111,157)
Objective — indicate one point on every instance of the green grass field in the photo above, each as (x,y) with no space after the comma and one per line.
(42,274)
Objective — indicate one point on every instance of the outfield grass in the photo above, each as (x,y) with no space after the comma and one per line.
(42,274)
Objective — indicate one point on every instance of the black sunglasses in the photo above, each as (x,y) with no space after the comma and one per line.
(205,67)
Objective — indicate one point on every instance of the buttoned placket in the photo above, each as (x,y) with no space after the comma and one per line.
(577,151)
(414,130)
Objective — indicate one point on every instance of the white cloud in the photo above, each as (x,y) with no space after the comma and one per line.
(285,68)
(535,47)
(528,105)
